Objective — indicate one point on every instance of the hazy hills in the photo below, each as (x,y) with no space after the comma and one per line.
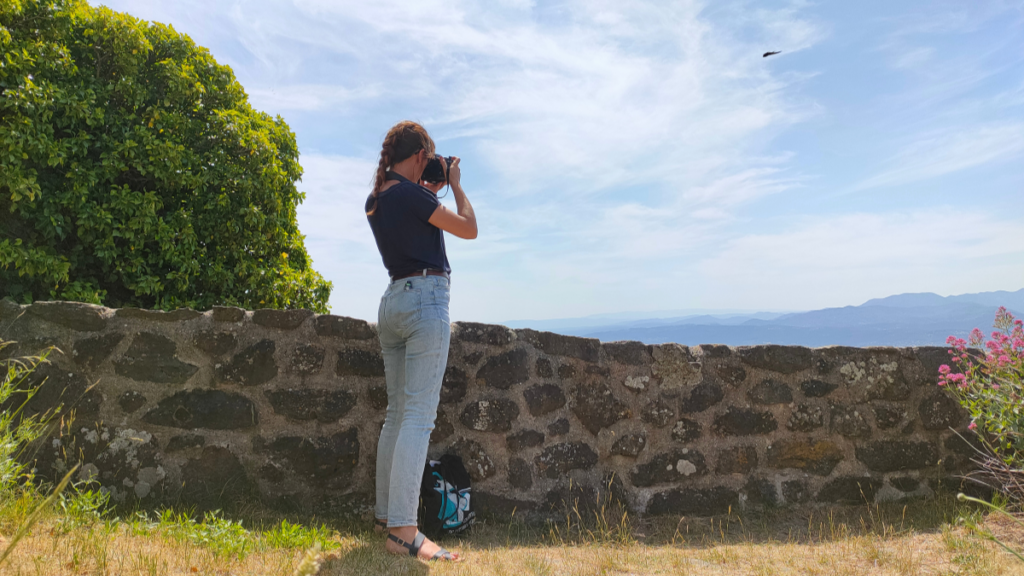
(900,320)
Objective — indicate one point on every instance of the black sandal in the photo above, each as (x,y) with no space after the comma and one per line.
(417,543)
(380,525)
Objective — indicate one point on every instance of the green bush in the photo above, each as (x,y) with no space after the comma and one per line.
(134,172)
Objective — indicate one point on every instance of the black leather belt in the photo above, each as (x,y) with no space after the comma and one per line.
(426,272)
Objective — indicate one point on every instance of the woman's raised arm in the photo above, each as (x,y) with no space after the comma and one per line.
(462,223)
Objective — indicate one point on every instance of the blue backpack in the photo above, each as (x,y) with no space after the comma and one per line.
(445,505)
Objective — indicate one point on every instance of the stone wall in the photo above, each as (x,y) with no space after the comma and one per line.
(210,408)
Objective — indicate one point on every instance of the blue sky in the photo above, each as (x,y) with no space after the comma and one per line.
(643,156)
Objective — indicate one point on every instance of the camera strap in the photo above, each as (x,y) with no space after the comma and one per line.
(389,175)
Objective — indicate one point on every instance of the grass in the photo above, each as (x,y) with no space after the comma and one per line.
(924,537)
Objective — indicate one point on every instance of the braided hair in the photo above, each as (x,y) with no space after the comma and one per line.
(402,141)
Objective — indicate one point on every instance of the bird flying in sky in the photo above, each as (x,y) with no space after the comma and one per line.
(767,54)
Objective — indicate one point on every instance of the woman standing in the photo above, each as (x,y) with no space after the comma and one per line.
(407,221)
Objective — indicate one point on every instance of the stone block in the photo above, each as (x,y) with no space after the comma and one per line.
(630,445)
(760,492)
(770,392)
(738,421)
(850,490)
(131,401)
(629,353)
(586,349)
(596,407)
(523,439)
(781,359)
(308,359)
(686,430)
(184,442)
(443,428)
(251,367)
(377,396)
(714,350)
(179,315)
(505,370)
(931,357)
(566,371)
(657,413)
(330,326)
(814,457)
(150,357)
(494,415)
(454,385)
(324,461)
(848,421)
(73,315)
(90,352)
(940,412)
(228,314)
(805,418)
(701,397)
(693,502)
(472,358)
(558,459)
(543,398)
(477,462)
(214,343)
(905,483)
(55,388)
(281,319)
(736,460)
(490,505)
(489,334)
(559,427)
(543,368)
(324,405)
(795,492)
(212,409)
(887,417)
(732,375)
(571,497)
(519,475)
(896,455)
(675,366)
(669,467)
(215,480)
(817,388)
(356,362)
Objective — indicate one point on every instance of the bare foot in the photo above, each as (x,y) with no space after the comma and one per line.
(380,525)
(408,534)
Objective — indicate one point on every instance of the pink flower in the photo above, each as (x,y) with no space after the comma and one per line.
(944,369)
(972,426)
(956,377)
(1004,360)
(995,386)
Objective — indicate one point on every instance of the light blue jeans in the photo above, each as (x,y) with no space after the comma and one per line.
(415,332)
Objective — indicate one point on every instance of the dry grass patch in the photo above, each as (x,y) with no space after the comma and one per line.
(923,538)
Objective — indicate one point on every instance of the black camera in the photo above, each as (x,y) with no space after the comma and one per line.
(437,171)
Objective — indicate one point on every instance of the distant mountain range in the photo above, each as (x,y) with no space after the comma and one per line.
(923,319)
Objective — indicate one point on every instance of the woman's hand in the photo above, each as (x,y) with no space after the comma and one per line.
(454,172)
(463,222)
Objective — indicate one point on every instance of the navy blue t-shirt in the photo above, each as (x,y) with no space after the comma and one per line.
(406,240)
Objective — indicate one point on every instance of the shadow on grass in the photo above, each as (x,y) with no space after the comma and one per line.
(370,558)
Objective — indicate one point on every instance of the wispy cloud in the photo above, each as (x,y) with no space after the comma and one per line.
(952,150)
(837,257)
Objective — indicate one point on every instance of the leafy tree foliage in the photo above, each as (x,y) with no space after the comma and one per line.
(134,172)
